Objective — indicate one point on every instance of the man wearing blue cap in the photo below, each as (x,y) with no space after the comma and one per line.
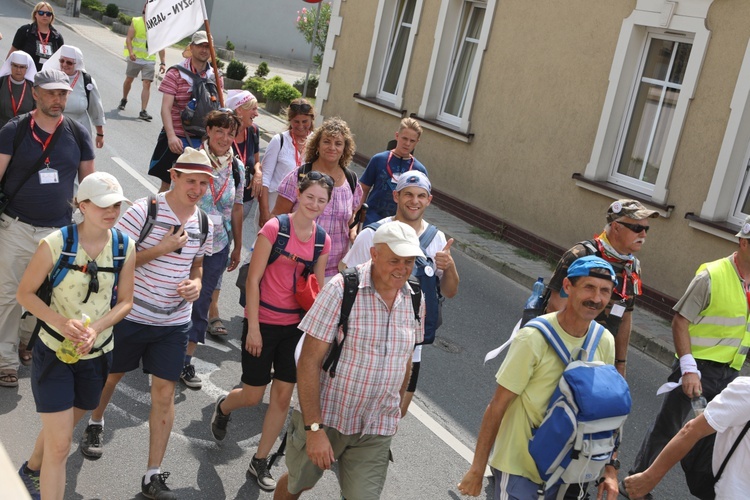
(526,381)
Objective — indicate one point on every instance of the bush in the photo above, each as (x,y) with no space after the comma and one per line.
(230,45)
(312,82)
(112,10)
(219,63)
(236,70)
(255,86)
(280,91)
(95,5)
(262,70)
(125,19)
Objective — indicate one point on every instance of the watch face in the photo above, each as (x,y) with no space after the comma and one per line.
(314,427)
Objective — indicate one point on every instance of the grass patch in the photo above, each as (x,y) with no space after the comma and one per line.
(521,252)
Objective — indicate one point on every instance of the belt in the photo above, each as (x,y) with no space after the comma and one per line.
(156,309)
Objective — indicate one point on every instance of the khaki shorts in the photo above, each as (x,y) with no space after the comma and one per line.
(146,70)
(362,461)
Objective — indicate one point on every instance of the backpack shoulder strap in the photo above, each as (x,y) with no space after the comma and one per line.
(21,129)
(203,222)
(416,296)
(282,238)
(552,338)
(152,208)
(236,171)
(590,246)
(184,70)
(351,177)
(593,336)
(119,251)
(86,83)
(320,241)
(351,287)
(281,141)
(67,255)
(374,225)
(427,236)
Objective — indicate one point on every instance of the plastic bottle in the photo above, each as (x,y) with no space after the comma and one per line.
(699,404)
(68,351)
(192,104)
(531,309)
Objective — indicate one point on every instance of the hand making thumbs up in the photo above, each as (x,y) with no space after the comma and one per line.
(443,259)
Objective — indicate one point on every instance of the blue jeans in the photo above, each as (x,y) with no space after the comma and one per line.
(213,267)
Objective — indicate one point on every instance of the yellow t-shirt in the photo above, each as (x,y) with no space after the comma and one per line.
(67,297)
(532,370)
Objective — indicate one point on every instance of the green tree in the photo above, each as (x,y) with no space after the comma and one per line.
(306,26)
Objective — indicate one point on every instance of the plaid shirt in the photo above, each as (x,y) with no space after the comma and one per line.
(363,398)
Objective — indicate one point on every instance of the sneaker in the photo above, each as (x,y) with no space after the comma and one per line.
(143,115)
(91,442)
(123,102)
(31,481)
(219,421)
(157,488)
(259,468)
(189,378)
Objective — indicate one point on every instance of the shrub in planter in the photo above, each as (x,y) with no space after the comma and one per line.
(229,45)
(281,92)
(112,10)
(255,86)
(125,19)
(262,70)
(312,85)
(236,70)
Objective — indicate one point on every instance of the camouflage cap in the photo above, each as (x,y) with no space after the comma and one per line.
(745,230)
(629,208)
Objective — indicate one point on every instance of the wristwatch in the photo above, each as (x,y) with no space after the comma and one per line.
(315,427)
(614,463)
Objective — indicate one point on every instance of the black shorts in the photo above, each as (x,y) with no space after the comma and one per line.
(279,343)
(162,348)
(163,158)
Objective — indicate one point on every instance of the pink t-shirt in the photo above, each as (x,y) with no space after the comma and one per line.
(277,285)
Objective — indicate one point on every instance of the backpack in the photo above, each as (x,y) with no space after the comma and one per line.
(23,126)
(65,263)
(86,85)
(351,177)
(698,465)
(278,249)
(581,427)
(205,94)
(351,287)
(152,206)
(428,283)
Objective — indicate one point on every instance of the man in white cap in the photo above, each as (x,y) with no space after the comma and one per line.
(436,272)
(140,61)
(169,268)
(711,343)
(352,417)
(19,69)
(37,197)
(177,89)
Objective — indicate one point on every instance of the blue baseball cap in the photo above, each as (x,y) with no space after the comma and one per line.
(590,265)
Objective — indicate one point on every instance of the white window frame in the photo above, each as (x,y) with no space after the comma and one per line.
(384,35)
(686,20)
(447,45)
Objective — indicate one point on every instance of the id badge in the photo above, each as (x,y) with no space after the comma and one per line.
(48,176)
(43,50)
(617,310)
(218,220)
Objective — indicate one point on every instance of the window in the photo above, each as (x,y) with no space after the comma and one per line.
(396,24)
(461,36)
(654,73)
(742,207)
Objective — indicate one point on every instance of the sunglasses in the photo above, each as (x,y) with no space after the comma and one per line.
(67,62)
(300,108)
(44,13)
(636,228)
(314,175)
(92,270)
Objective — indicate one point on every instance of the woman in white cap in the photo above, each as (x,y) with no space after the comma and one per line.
(39,39)
(95,292)
(84,103)
(16,82)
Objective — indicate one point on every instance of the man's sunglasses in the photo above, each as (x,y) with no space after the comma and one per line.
(636,228)
(300,108)
(44,13)
(314,175)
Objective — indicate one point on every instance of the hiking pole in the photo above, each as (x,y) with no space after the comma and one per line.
(359,218)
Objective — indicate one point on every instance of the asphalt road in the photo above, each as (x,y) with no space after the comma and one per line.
(431,445)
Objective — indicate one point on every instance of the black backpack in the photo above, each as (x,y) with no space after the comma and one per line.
(351,177)
(351,287)
(206,97)
(153,208)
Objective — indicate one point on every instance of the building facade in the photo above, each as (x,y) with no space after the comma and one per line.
(538,115)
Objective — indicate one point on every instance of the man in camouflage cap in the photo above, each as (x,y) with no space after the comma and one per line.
(624,235)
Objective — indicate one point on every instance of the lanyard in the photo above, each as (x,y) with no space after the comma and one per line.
(388,165)
(216,196)
(46,39)
(73,85)
(742,280)
(245,147)
(13,105)
(633,275)
(297,155)
(49,138)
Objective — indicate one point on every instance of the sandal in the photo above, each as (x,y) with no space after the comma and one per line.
(8,378)
(216,327)
(24,354)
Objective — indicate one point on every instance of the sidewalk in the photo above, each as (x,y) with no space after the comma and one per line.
(651,334)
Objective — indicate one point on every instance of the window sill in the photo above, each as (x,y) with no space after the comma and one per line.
(441,128)
(379,105)
(616,192)
(723,230)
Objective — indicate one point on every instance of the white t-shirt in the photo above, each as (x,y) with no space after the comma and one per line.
(728,413)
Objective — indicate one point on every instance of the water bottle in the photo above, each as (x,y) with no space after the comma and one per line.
(533,303)
(699,404)
(192,104)
(189,112)
(68,351)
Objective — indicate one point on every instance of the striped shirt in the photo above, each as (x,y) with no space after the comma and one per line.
(156,281)
(363,398)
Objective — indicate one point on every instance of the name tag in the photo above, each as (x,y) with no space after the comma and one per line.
(48,176)
(218,220)
(617,310)
(43,49)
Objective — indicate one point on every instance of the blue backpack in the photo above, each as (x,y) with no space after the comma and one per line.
(428,282)
(581,427)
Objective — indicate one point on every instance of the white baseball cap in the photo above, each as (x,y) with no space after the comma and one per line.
(400,238)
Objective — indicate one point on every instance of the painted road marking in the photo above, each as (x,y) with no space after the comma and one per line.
(135,174)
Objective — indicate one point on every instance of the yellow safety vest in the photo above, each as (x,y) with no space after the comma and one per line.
(721,331)
(140,45)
